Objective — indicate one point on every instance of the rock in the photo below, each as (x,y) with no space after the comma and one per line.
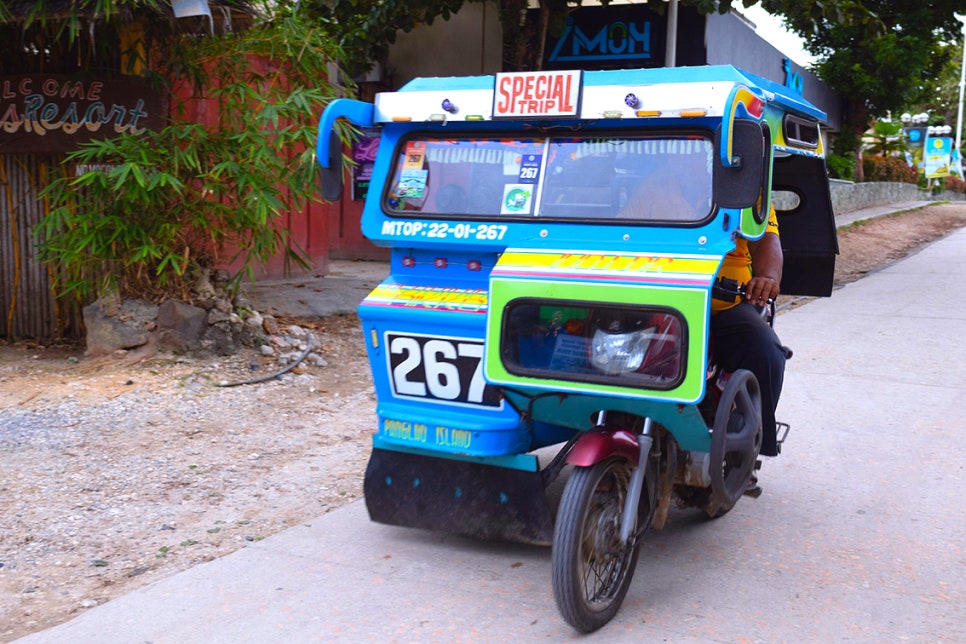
(219,340)
(270,324)
(212,325)
(255,320)
(203,287)
(296,331)
(112,327)
(180,326)
(216,315)
(223,304)
(220,278)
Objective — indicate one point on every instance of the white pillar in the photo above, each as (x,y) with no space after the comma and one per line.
(962,83)
(671,48)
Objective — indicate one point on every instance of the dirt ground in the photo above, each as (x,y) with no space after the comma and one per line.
(118,472)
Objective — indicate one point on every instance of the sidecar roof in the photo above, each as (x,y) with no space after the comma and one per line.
(662,93)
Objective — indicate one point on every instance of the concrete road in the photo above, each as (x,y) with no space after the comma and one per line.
(859,535)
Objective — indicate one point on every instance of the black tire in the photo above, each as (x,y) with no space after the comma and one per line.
(591,571)
(735,442)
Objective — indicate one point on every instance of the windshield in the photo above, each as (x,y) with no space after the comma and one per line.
(645,178)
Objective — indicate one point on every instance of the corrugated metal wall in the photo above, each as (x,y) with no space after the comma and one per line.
(28,306)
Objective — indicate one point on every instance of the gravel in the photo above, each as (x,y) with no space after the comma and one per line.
(119,471)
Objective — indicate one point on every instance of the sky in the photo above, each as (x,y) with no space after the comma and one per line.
(770,28)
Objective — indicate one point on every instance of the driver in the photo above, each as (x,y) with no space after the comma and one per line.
(742,338)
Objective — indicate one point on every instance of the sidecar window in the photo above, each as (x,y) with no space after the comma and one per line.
(471,176)
(664,178)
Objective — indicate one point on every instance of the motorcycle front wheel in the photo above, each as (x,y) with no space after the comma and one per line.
(591,569)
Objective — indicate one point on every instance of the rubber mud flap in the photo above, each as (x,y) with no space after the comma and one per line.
(459,497)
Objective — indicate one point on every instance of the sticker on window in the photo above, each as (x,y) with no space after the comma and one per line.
(530,168)
(516,199)
(412,183)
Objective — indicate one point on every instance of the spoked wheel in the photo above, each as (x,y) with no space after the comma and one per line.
(591,570)
(735,441)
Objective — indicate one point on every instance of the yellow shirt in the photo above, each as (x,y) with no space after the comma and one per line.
(737,264)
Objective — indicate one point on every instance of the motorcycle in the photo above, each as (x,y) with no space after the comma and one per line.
(546,292)
(626,472)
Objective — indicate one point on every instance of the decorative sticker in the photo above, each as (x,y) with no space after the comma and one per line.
(415,153)
(697,270)
(517,198)
(412,183)
(429,297)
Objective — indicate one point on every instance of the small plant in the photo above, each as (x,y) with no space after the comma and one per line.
(887,139)
(841,167)
(879,168)
(163,552)
(955,184)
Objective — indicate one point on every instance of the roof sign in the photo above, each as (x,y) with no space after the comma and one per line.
(547,93)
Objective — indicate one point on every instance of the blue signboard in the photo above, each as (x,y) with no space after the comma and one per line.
(623,36)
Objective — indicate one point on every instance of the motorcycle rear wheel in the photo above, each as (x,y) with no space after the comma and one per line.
(591,569)
(735,441)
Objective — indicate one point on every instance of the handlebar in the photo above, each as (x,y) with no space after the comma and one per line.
(728,290)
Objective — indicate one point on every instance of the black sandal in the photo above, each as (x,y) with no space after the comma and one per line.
(753,490)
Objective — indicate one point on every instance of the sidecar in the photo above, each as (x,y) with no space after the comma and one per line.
(555,237)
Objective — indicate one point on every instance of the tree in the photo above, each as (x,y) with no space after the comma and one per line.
(878,55)
(365,29)
(940,97)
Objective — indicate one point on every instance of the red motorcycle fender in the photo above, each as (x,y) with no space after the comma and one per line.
(597,444)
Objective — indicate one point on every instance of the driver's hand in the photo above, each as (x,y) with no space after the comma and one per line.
(760,289)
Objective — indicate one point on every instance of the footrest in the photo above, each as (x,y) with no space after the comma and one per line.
(782,430)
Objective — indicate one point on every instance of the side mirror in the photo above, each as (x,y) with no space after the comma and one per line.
(333,172)
(740,186)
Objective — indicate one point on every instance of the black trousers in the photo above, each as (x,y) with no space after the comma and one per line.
(743,340)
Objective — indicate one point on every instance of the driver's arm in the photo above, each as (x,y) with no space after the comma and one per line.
(766,267)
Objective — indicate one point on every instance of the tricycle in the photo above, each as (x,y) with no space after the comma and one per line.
(555,240)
